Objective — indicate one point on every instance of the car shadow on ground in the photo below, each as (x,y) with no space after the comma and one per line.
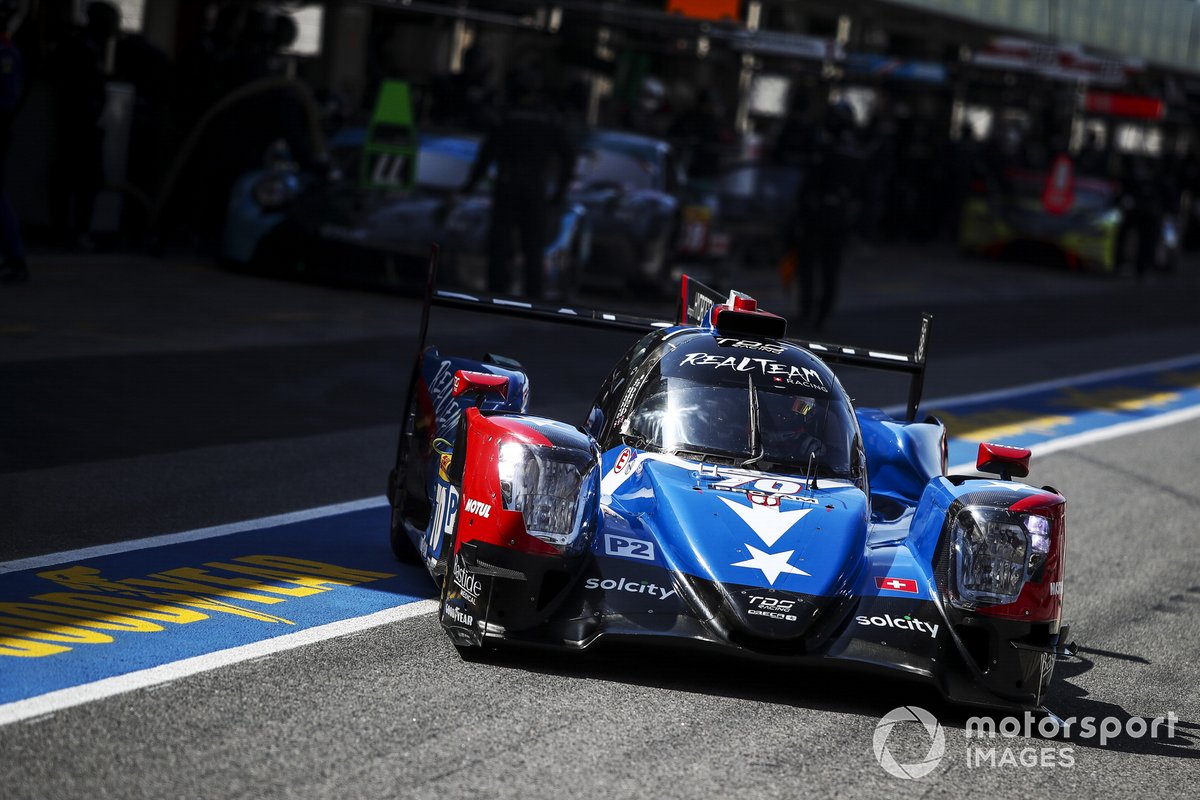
(839,689)
(1138,734)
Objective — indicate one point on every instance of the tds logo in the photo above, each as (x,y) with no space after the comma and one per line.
(628,548)
(772,607)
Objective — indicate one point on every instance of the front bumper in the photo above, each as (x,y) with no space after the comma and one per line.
(565,603)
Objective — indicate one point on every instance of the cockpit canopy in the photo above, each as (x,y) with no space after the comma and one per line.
(761,403)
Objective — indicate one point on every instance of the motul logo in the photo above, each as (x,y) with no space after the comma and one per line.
(479,508)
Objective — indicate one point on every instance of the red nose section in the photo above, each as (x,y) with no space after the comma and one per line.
(1001,459)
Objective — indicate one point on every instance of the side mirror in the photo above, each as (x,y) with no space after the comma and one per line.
(1003,460)
(479,383)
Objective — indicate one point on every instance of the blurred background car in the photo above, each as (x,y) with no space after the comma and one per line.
(631,186)
(1091,230)
(285,222)
(738,216)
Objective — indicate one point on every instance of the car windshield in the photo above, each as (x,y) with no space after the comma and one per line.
(445,163)
(598,166)
(1088,194)
(799,432)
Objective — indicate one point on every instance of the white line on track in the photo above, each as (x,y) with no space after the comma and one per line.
(77,695)
(1057,383)
(51,559)
(1103,434)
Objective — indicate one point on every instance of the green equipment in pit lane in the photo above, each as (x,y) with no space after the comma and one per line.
(389,156)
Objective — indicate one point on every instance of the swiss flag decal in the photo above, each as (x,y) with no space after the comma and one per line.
(907,585)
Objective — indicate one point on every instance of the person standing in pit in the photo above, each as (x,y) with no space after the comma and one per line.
(527,143)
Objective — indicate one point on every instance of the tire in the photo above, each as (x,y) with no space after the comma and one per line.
(397,492)
(402,546)
(475,655)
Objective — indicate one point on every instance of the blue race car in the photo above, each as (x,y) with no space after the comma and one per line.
(724,492)
(281,221)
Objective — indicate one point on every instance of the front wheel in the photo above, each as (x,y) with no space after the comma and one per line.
(397,493)
(402,546)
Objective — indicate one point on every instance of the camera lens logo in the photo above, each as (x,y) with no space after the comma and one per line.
(933,728)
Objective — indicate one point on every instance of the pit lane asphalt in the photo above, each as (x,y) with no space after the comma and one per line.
(393,711)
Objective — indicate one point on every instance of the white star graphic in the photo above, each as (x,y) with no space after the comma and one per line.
(769,522)
(771,564)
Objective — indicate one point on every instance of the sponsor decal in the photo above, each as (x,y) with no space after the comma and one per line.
(906,623)
(456,614)
(772,607)
(478,508)
(631,393)
(625,547)
(747,344)
(764,491)
(446,409)
(468,582)
(786,373)
(1008,486)
(101,610)
(896,584)
(699,306)
(622,461)
(1056,588)
(445,515)
(633,587)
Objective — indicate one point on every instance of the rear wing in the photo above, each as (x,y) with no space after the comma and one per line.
(695,302)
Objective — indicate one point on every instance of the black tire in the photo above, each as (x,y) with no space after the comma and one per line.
(397,492)
(474,655)
(402,546)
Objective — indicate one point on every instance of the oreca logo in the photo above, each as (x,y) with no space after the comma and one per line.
(937,742)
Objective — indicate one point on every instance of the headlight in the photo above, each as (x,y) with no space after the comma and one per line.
(554,488)
(274,191)
(995,552)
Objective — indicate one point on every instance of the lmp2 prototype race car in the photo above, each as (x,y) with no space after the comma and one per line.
(724,492)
